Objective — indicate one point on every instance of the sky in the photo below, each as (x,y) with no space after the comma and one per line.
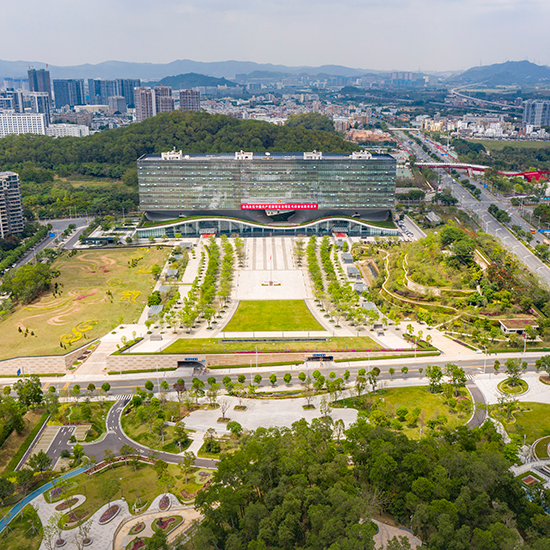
(426,35)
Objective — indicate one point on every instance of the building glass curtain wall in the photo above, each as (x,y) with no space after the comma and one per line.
(333,184)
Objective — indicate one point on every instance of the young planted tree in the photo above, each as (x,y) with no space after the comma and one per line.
(515,369)
(187,461)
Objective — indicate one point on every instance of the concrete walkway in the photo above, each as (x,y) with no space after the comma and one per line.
(386,532)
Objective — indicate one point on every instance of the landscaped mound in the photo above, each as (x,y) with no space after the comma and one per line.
(137,528)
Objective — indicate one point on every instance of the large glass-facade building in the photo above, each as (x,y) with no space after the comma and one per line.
(276,187)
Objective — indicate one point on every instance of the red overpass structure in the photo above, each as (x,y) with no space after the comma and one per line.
(529,176)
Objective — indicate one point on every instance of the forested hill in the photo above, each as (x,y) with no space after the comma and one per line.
(112,152)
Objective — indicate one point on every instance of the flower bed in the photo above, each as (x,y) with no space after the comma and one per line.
(167,524)
(109,514)
(164,502)
(87,542)
(136,544)
(137,528)
(188,496)
(74,518)
(59,543)
(67,504)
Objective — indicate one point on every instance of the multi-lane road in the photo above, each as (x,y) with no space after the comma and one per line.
(479,207)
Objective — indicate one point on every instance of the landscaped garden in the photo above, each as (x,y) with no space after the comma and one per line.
(96,290)
(525,418)
(272,315)
(145,421)
(411,409)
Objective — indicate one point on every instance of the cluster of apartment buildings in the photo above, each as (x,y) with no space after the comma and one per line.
(481,126)
(71,107)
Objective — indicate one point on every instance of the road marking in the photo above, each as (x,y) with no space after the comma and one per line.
(45,386)
(65,386)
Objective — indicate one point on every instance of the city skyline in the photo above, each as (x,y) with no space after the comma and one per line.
(393,35)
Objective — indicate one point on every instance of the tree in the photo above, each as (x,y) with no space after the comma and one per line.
(109,456)
(435,375)
(105,387)
(372,377)
(40,462)
(241,378)
(391,371)
(515,369)
(287,377)
(187,461)
(496,366)
(29,391)
(405,370)
(108,488)
(157,542)
(51,402)
(257,379)
(179,388)
(235,428)
(149,386)
(224,406)
(360,385)
(457,377)
(180,434)
(273,379)
(78,452)
(197,387)
(212,393)
(91,388)
(160,467)
(127,450)
(6,489)
(52,531)
(543,364)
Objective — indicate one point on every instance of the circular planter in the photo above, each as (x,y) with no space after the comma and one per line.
(59,543)
(164,503)
(87,542)
(109,515)
(505,388)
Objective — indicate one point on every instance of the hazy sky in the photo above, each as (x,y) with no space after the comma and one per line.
(378,34)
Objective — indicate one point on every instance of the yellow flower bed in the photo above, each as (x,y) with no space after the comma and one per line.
(78,331)
(46,308)
(130,296)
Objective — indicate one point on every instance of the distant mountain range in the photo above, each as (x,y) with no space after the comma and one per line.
(511,73)
(157,71)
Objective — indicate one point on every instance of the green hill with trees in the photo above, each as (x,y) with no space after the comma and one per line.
(112,154)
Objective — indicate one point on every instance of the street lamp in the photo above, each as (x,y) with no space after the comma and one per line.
(485,359)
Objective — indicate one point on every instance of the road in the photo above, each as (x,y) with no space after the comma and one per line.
(58,226)
(490,224)
(116,438)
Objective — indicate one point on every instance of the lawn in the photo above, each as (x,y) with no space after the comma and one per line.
(213,345)
(268,315)
(84,310)
(498,145)
(533,421)
(142,484)
(430,404)
(21,535)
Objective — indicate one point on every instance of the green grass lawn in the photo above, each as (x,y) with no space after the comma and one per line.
(21,535)
(141,433)
(533,421)
(83,311)
(430,404)
(499,145)
(213,345)
(266,315)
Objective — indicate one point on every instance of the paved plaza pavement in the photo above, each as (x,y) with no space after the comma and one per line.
(537,392)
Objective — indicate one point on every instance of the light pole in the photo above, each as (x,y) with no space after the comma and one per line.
(485,359)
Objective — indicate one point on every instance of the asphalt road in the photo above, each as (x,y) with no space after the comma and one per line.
(490,224)
(116,438)
(126,385)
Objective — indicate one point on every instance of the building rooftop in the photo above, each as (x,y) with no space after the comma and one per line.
(314,156)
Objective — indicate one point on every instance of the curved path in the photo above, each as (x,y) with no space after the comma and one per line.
(480,413)
(116,438)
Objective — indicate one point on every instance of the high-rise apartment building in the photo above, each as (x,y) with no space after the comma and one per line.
(11,205)
(39,81)
(164,102)
(143,100)
(125,88)
(69,92)
(12,100)
(117,104)
(40,103)
(536,112)
(99,91)
(22,123)
(190,100)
